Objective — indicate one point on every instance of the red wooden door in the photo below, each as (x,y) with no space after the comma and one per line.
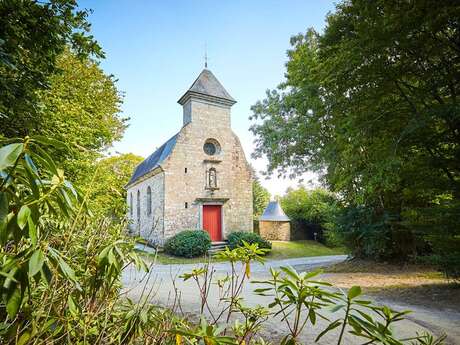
(212,221)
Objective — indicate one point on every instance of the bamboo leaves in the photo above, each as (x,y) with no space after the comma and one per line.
(36,262)
(38,218)
(9,155)
(26,195)
(23,216)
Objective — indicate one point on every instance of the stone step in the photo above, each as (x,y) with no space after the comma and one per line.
(217,247)
(219,243)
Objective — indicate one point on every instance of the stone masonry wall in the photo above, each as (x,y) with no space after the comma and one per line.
(149,226)
(275,231)
(185,191)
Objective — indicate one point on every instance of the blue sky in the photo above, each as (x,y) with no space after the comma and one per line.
(156,50)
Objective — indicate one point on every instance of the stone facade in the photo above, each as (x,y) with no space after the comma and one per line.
(179,184)
(275,231)
(149,223)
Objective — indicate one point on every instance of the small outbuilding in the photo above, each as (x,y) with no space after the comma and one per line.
(274,224)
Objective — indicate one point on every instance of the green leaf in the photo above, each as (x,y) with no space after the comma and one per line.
(72,306)
(49,141)
(312,315)
(13,303)
(3,230)
(36,262)
(44,158)
(337,307)
(3,217)
(24,338)
(290,271)
(66,269)
(9,154)
(46,274)
(32,231)
(354,292)
(23,216)
(30,163)
(329,328)
(3,205)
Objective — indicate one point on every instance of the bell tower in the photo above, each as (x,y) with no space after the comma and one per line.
(206,100)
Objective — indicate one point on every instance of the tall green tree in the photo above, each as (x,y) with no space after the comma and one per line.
(313,213)
(372,105)
(105,190)
(33,34)
(82,109)
(260,198)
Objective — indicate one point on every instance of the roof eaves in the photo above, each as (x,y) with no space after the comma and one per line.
(202,96)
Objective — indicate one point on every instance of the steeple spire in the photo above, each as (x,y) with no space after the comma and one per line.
(205,56)
(206,87)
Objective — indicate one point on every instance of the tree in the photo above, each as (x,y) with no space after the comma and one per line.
(313,213)
(260,198)
(105,190)
(372,105)
(33,34)
(82,109)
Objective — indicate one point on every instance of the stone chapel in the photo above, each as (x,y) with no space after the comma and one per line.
(198,179)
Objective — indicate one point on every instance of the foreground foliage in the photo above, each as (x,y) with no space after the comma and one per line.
(61,269)
(372,105)
(51,84)
(299,300)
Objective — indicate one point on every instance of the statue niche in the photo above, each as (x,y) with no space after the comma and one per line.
(211,179)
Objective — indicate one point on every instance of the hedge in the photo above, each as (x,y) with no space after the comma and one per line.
(188,243)
(235,239)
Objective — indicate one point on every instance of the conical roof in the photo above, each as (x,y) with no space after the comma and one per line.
(207,87)
(274,213)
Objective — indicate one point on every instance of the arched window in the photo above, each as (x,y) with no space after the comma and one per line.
(138,204)
(131,205)
(149,201)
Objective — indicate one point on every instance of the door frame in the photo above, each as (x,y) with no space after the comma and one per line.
(222,224)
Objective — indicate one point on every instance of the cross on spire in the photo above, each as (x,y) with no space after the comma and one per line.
(205,56)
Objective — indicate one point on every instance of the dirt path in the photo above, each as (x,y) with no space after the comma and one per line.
(163,286)
(434,303)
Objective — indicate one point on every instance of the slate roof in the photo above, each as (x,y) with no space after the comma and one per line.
(274,213)
(207,85)
(154,160)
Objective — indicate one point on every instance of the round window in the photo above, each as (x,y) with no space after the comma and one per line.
(211,147)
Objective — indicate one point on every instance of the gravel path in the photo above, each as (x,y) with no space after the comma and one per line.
(163,287)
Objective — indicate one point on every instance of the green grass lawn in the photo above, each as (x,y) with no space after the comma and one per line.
(280,250)
(166,259)
(297,249)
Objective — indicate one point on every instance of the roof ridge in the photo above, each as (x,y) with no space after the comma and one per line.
(154,160)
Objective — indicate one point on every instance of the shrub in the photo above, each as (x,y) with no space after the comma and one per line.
(235,239)
(313,214)
(447,263)
(188,243)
